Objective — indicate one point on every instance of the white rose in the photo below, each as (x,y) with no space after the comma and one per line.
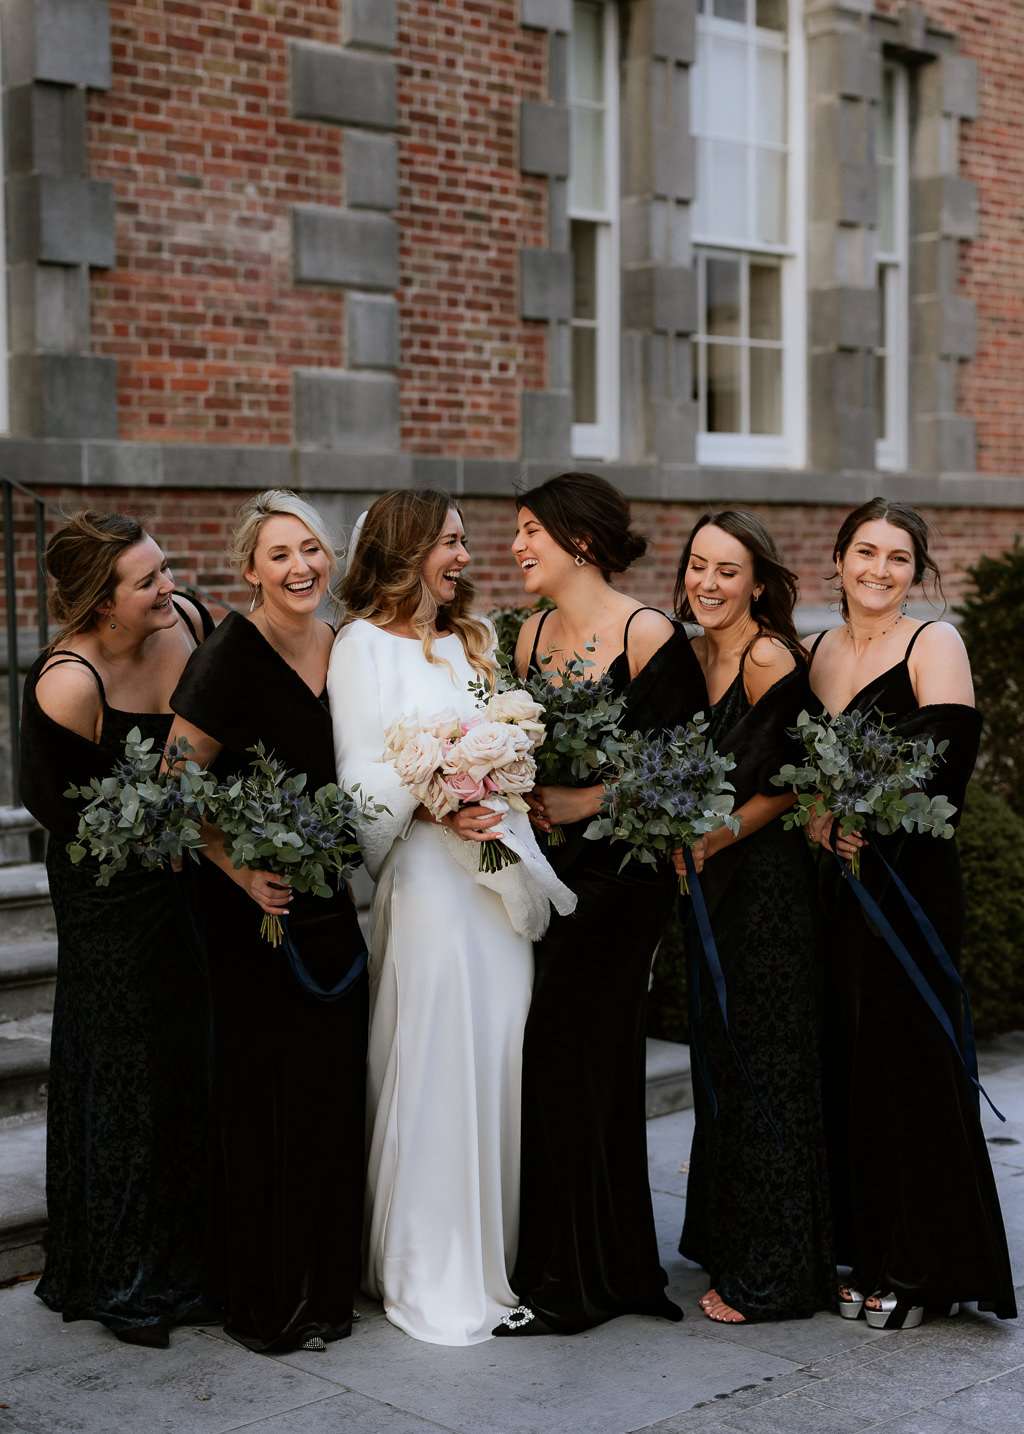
(444,724)
(518,707)
(437,799)
(517,776)
(419,759)
(401,729)
(484,747)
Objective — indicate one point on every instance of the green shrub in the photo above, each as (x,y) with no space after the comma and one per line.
(992,626)
(508,620)
(991,842)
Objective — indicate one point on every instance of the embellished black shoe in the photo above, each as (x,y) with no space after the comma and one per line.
(521,1321)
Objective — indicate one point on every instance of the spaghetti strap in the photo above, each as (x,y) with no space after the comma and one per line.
(625,630)
(536,637)
(817,643)
(66,656)
(186,620)
(917,634)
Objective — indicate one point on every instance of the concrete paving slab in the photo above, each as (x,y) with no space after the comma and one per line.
(994,1410)
(795,1414)
(344,1414)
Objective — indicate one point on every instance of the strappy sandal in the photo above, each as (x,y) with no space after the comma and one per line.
(893,1312)
(851,1301)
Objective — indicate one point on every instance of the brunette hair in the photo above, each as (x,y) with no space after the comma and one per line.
(773,611)
(384,581)
(588,518)
(274,503)
(902,516)
(82,559)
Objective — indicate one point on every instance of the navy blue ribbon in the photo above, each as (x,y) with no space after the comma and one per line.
(968,1056)
(707,941)
(301,971)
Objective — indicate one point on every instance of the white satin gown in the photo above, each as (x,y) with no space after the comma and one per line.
(449,993)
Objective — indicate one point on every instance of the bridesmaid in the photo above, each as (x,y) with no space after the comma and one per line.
(587,1244)
(288,1068)
(917,1221)
(125,1161)
(757,1209)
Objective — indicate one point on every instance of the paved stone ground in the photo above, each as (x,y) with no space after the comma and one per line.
(820,1376)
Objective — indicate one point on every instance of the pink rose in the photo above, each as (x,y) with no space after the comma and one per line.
(463,789)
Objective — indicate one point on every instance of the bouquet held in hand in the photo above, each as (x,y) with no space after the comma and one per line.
(867,775)
(140,814)
(584,742)
(270,822)
(671,791)
(486,760)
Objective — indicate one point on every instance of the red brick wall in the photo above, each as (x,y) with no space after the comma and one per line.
(464,213)
(991,273)
(196,136)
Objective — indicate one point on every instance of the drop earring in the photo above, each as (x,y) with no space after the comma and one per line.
(580,563)
(113,625)
(255,595)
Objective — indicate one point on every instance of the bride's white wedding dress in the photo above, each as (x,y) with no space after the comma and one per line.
(449,994)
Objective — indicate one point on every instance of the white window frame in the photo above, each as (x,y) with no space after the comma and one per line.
(892,447)
(602,439)
(788,449)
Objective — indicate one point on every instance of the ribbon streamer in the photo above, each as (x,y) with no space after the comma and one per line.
(302,975)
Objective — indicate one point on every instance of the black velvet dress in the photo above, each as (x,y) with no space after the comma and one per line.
(282,1257)
(588,1250)
(126,1114)
(757,1204)
(914,1199)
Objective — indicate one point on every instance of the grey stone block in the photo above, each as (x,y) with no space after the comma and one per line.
(342,87)
(934,265)
(66,41)
(844,318)
(674,164)
(36,464)
(371,331)
(558,69)
(674,429)
(560,355)
(123,465)
(944,326)
(558,214)
(490,478)
(370,170)
(209,466)
(543,139)
(545,277)
(44,130)
(60,221)
(546,424)
(960,86)
(660,297)
(371,24)
(336,246)
(545,14)
(444,474)
(357,413)
(48,308)
(943,444)
(945,205)
(331,470)
(858,190)
(63,395)
(674,30)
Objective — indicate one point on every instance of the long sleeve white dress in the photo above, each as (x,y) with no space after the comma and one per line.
(449,994)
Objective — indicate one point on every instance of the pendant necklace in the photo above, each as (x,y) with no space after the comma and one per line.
(849,630)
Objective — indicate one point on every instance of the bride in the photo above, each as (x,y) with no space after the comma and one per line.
(449,978)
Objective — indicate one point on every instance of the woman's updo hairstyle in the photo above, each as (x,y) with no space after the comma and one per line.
(587,518)
(902,516)
(82,559)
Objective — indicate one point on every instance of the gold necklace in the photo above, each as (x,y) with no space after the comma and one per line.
(849,630)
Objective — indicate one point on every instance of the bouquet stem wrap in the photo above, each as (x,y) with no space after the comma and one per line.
(528,887)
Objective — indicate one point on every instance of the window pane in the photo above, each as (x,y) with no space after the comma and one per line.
(725,198)
(765,302)
(880,407)
(722,284)
(771,95)
(771,196)
(584,375)
(772,14)
(887,116)
(886,208)
(732,10)
(587,48)
(584,270)
(586,183)
(766,390)
(725,413)
(727,88)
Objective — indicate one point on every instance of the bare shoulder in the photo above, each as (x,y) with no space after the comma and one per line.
(648,631)
(940,669)
(188,607)
(941,639)
(768,661)
(69,694)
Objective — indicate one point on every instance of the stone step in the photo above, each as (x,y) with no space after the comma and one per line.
(25,910)
(28,974)
(24,1065)
(23,1158)
(22,839)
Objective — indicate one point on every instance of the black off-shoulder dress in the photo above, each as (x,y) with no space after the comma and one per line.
(282,1257)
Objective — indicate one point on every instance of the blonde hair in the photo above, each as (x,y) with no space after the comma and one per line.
(384,581)
(82,559)
(274,503)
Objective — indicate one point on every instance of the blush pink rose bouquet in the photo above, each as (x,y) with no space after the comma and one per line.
(487,759)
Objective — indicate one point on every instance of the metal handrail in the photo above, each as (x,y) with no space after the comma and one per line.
(40,506)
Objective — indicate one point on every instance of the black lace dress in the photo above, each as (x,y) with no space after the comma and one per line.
(126,1116)
(289,1070)
(588,1250)
(757,1203)
(915,1203)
